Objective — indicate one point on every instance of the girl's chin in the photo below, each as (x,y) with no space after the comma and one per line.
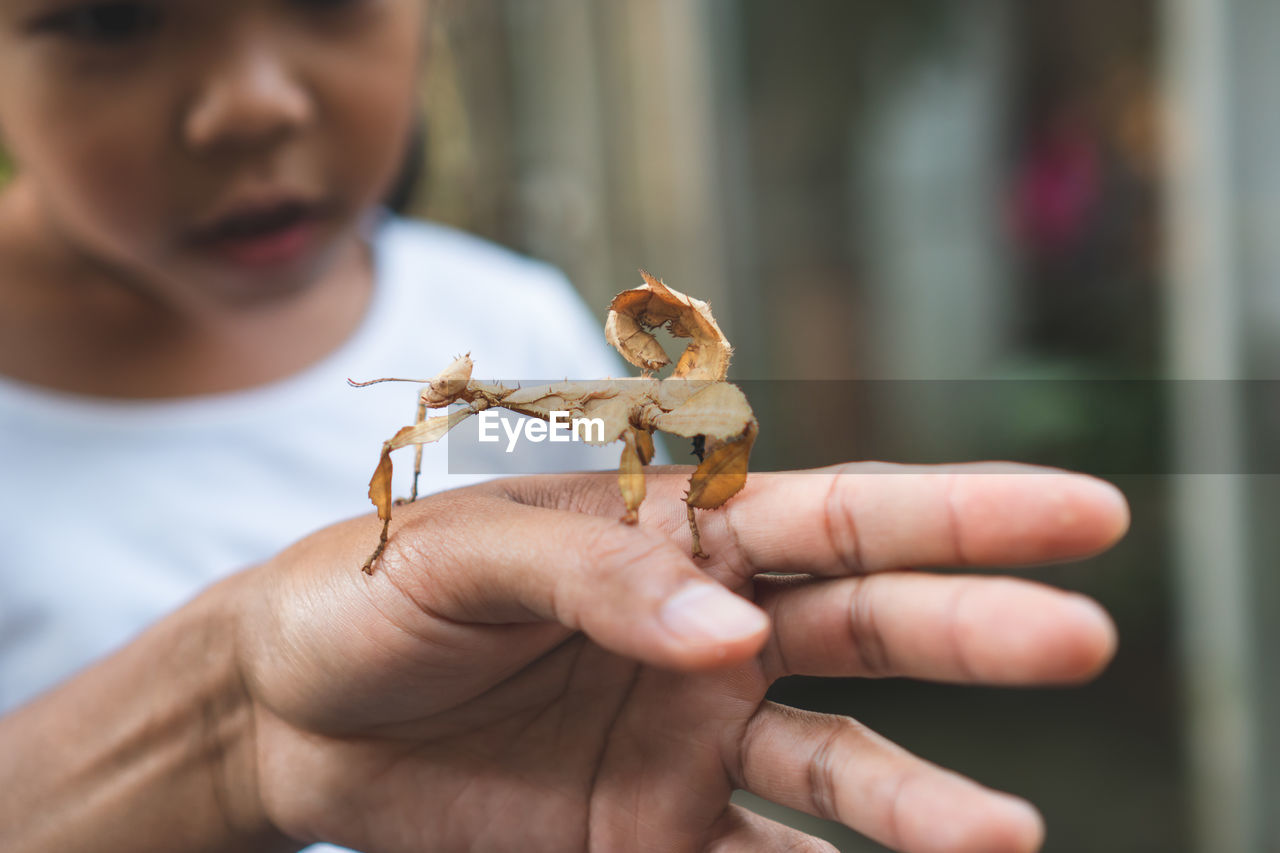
(257,272)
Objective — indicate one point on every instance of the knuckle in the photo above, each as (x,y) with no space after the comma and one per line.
(865,635)
(958,637)
(840,521)
(724,530)
(825,763)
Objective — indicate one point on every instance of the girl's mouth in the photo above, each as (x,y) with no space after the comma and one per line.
(273,234)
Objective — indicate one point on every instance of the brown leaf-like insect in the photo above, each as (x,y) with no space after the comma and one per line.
(694,402)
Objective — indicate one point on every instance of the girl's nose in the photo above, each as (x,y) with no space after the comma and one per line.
(250,99)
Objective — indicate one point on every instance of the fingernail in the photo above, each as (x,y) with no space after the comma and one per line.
(708,611)
(1120,504)
(1029,817)
(1100,625)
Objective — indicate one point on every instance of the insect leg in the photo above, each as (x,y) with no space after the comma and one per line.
(631,476)
(380,494)
(697,539)
(367,568)
(417,451)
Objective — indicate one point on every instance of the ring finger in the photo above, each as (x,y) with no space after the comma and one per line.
(837,769)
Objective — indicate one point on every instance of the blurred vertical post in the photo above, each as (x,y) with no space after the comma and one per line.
(931,166)
(670,193)
(562,141)
(618,142)
(723,22)
(928,199)
(1207,296)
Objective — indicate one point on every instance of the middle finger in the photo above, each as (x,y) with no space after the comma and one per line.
(961,629)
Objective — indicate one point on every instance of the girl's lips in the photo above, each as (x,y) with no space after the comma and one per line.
(263,236)
(269,248)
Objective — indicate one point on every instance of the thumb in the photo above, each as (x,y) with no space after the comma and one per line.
(631,590)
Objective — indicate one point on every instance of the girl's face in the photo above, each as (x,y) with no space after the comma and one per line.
(216,150)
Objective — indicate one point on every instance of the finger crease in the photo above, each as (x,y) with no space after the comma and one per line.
(865,635)
(822,782)
(959,654)
(844,541)
(396,565)
(740,558)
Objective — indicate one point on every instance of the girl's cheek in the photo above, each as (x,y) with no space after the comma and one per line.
(370,126)
(372,83)
(102,156)
(109,190)
(119,181)
(381,153)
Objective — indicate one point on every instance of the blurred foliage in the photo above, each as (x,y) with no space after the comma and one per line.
(6,167)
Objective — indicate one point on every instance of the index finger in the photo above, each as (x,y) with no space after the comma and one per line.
(868,517)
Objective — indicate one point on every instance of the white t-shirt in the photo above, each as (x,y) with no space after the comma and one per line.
(113,513)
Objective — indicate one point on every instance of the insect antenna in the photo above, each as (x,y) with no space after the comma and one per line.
(355,384)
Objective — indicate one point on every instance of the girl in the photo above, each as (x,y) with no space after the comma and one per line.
(192,261)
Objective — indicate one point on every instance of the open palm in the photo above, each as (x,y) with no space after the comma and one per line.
(524,673)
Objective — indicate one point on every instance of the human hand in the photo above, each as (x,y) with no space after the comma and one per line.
(524,672)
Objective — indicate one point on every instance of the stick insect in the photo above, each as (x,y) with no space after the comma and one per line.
(694,402)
